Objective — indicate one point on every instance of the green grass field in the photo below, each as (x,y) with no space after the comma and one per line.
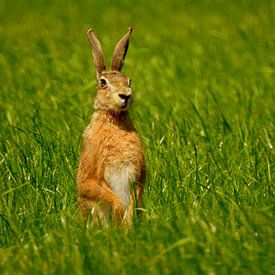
(203,78)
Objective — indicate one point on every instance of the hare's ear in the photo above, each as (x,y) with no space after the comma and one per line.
(121,51)
(97,52)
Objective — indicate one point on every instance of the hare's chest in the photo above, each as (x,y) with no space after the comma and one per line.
(119,176)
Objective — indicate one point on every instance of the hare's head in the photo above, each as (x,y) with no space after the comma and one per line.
(114,88)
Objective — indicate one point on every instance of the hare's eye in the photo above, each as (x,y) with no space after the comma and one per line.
(129,82)
(103,82)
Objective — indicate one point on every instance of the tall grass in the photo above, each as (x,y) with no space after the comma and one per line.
(203,78)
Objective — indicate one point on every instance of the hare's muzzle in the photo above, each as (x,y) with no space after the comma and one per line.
(124,98)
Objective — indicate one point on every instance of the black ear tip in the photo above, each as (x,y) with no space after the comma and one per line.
(130,29)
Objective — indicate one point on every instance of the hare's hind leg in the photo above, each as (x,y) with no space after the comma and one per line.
(135,207)
(139,194)
(93,192)
(100,212)
(86,206)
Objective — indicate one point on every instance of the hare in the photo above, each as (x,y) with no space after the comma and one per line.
(112,161)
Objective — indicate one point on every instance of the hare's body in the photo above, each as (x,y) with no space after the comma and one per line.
(112,161)
(112,154)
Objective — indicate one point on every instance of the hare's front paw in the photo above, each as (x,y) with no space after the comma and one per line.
(119,210)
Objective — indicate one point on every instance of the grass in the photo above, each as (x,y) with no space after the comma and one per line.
(203,77)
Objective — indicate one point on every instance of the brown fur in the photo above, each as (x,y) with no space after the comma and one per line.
(112,152)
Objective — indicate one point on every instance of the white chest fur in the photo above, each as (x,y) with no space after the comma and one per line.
(119,178)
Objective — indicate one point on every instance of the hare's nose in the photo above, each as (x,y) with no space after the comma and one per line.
(125,97)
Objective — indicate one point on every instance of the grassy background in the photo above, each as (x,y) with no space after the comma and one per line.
(203,77)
